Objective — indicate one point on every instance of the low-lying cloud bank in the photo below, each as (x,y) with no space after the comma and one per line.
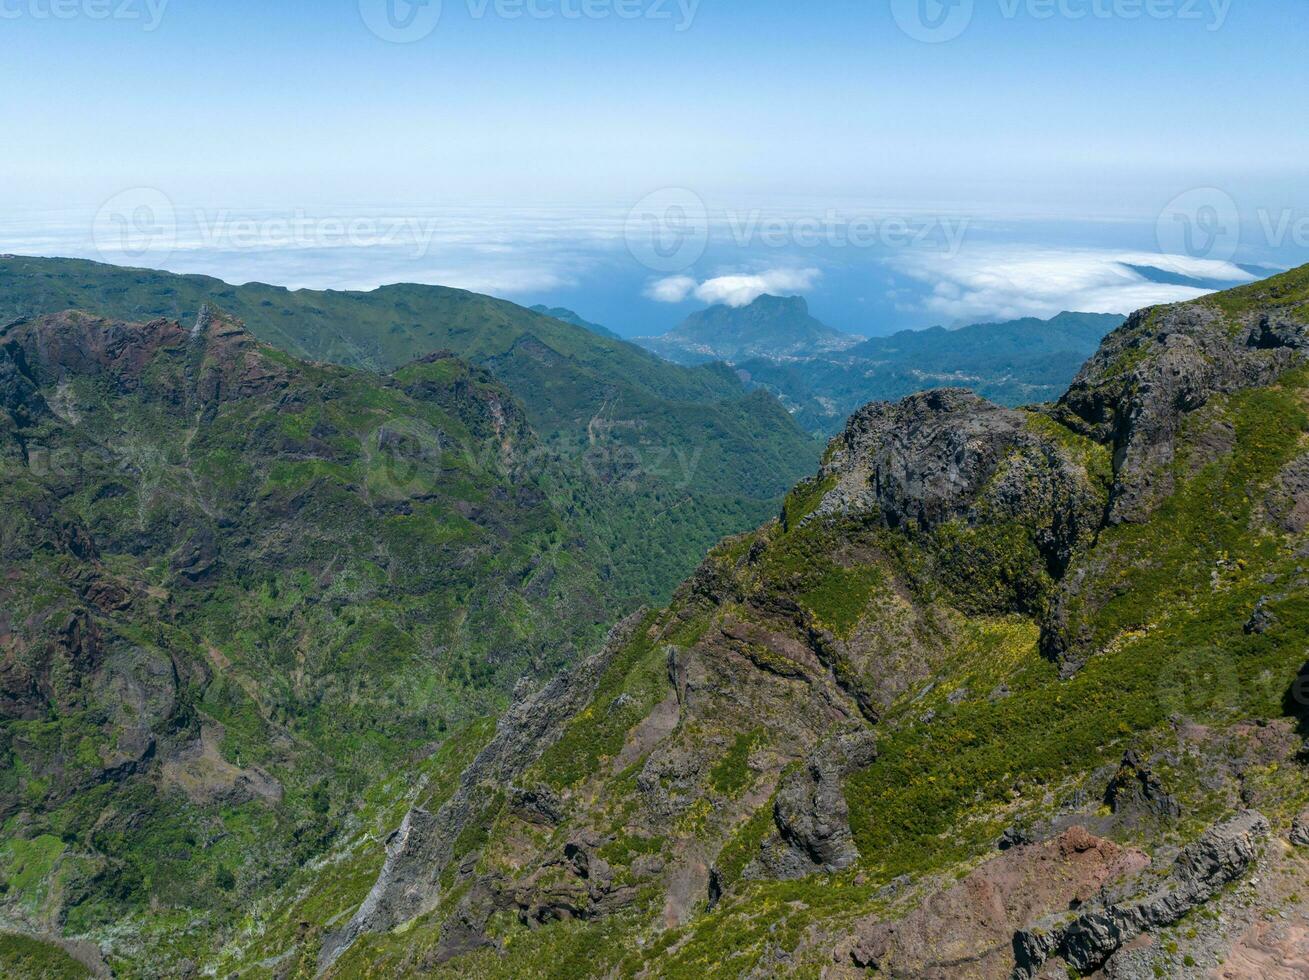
(735,290)
(1005,283)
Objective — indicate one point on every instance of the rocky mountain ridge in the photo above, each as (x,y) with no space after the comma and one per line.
(1000,693)
(789,770)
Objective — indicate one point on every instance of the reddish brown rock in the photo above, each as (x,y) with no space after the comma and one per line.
(967,931)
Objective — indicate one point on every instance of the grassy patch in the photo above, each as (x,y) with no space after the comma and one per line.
(731,774)
(840,596)
(24,958)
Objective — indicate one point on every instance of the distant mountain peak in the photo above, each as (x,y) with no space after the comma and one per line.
(767,301)
(772,327)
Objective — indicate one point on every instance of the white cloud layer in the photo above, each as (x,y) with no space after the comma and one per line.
(737,290)
(1005,283)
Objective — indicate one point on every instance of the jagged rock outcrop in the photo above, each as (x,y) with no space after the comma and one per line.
(1149,379)
(1224,854)
(1162,365)
(1135,789)
(1300,830)
(811,814)
(418,852)
(920,461)
(537,805)
(948,456)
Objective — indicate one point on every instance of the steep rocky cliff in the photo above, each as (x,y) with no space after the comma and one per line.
(1001,692)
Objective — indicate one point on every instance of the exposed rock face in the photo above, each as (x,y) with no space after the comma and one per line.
(1149,378)
(200,771)
(1221,856)
(1300,830)
(216,359)
(967,930)
(922,460)
(949,456)
(1287,503)
(811,813)
(1135,789)
(19,396)
(419,851)
(1163,364)
(77,344)
(536,805)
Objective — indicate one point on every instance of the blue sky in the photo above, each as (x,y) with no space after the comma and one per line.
(245,102)
(1060,128)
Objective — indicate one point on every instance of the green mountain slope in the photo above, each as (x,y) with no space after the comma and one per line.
(239,591)
(1015,363)
(569,316)
(1001,693)
(673,457)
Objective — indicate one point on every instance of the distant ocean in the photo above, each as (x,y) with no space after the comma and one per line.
(639,269)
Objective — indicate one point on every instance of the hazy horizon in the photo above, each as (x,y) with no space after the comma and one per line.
(631,158)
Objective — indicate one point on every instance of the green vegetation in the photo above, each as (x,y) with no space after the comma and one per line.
(656,461)
(840,596)
(981,733)
(629,688)
(1289,291)
(31,959)
(1177,646)
(1016,363)
(210,664)
(243,634)
(732,774)
(1202,533)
